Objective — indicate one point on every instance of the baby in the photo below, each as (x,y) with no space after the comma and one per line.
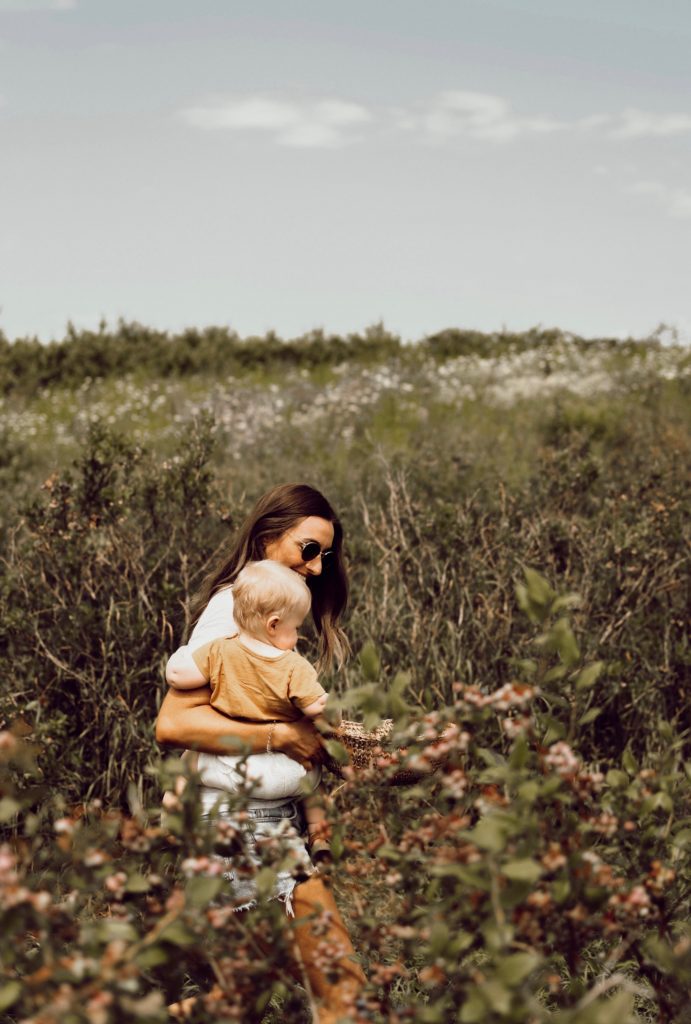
(255,674)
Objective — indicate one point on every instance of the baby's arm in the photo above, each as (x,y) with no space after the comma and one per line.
(315,709)
(183,672)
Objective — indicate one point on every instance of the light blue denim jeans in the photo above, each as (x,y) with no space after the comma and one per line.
(273,838)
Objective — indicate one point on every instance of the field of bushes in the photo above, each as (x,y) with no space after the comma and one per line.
(516,515)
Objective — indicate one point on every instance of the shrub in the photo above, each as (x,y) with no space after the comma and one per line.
(95,596)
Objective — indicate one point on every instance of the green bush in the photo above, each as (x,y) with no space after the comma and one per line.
(95,596)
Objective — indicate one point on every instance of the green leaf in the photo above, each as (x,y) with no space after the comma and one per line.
(519,753)
(177,935)
(137,883)
(616,779)
(590,716)
(8,808)
(682,839)
(498,996)
(9,994)
(370,662)
(489,834)
(561,636)
(664,802)
(400,683)
(539,589)
(265,880)
(527,666)
(529,791)
(534,597)
(337,751)
(491,757)
(566,601)
(462,941)
(555,674)
(201,890)
(523,599)
(555,731)
(561,889)
(438,939)
(618,1007)
(112,931)
(472,876)
(154,956)
(515,968)
(589,675)
(474,1009)
(629,762)
(522,870)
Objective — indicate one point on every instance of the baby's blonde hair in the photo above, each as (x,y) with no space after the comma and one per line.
(267,588)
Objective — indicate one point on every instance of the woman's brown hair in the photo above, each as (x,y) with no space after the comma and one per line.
(274,514)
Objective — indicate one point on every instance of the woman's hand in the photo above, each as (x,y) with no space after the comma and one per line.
(299,740)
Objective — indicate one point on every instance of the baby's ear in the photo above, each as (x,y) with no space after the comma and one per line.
(272,623)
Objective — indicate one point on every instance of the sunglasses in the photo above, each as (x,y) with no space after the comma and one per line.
(311,549)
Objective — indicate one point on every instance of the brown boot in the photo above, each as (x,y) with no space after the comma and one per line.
(334,977)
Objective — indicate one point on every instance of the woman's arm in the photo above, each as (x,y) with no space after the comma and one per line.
(186,719)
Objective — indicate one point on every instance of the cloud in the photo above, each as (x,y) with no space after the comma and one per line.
(638,124)
(446,117)
(591,121)
(485,116)
(324,123)
(676,202)
(480,115)
(38,5)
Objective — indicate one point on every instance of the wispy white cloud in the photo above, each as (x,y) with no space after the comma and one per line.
(321,123)
(676,202)
(637,124)
(485,116)
(455,114)
(480,115)
(38,5)
(591,121)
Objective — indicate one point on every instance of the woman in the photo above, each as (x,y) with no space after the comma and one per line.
(292,524)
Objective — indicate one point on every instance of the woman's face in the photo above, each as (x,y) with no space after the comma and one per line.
(287,549)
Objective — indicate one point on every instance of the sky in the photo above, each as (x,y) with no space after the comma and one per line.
(297,164)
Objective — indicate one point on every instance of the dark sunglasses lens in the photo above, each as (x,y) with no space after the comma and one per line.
(310,550)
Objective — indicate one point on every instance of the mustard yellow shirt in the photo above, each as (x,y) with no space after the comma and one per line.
(254,686)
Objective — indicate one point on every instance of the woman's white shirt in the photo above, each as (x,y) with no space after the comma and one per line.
(274,776)
(214,622)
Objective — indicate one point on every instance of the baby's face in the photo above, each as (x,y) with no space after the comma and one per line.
(284,635)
